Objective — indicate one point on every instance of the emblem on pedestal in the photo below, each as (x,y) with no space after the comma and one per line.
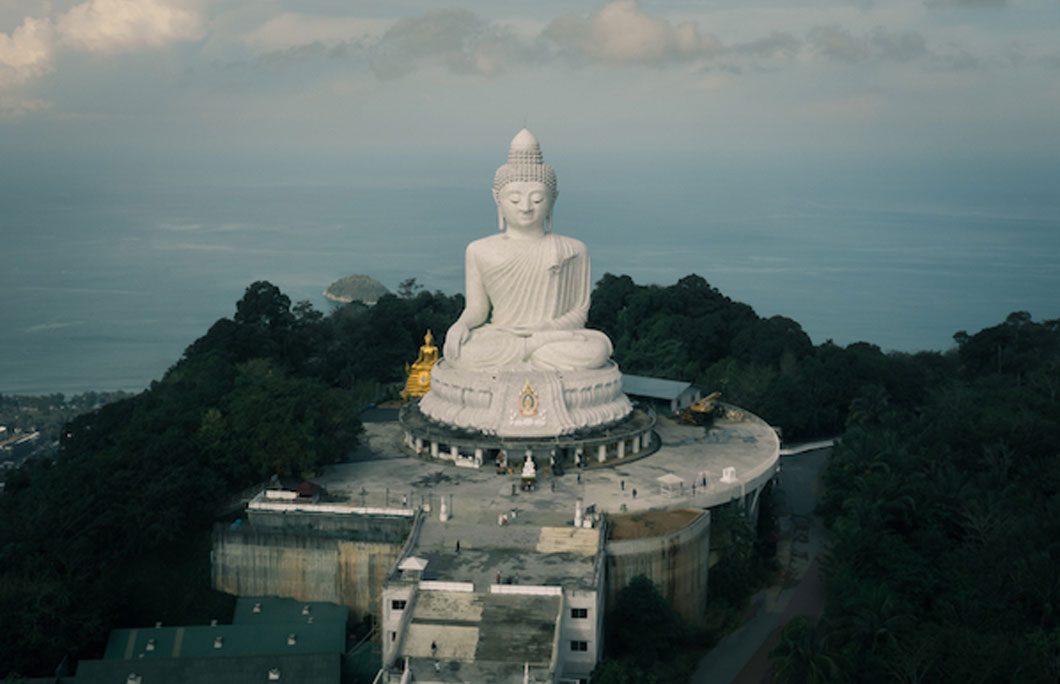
(528,401)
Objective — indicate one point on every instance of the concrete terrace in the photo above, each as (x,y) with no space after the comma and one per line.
(387,474)
(517,552)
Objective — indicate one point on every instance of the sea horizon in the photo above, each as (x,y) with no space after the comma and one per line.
(108,279)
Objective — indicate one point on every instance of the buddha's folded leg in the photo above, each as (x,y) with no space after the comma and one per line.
(490,348)
(570,349)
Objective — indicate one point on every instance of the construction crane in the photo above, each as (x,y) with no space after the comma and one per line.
(700,412)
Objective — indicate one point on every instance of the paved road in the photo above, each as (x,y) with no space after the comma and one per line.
(743,656)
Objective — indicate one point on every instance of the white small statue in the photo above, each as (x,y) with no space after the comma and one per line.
(529,470)
(527,289)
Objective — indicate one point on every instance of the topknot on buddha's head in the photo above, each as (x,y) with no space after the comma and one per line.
(525,164)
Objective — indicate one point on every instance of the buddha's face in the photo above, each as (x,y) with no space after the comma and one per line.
(525,204)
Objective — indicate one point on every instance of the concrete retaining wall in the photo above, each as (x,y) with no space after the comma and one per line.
(303,566)
(676,562)
(376,528)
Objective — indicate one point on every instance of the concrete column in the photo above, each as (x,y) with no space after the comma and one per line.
(478,457)
(622,448)
(752,512)
(636,444)
(419,445)
(453,453)
(434,449)
(601,453)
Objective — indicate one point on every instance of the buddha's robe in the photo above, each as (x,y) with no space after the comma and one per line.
(538,292)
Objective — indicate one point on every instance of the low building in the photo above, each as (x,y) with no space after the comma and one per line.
(269,640)
(509,601)
(670,395)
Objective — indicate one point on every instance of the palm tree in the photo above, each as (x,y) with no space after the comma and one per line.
(802,656)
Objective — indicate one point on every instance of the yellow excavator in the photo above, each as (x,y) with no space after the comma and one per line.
(700,412)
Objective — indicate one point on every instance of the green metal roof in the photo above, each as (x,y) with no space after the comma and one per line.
(320,668)
(272,609)
(201,641)
(261,626)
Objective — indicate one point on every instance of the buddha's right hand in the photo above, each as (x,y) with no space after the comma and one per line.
(455,338)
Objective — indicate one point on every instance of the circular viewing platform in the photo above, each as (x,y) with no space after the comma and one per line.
(621,441)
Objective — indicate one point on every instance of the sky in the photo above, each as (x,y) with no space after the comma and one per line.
(229,81)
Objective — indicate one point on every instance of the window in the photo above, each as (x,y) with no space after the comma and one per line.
(579,613)
(579,645)
(393,636)
(398,604)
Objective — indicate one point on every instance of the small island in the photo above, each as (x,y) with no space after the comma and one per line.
(355,288)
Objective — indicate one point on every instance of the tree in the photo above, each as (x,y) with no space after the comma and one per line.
(645,638)
(643,627)
(264,306)
(802,655)
(272,423)
(408,288)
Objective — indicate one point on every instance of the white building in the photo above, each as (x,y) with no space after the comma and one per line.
(519,602)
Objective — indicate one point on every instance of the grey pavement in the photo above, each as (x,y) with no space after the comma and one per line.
(383,472)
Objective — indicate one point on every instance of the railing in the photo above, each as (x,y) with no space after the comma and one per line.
(434,585)
(525,590)
(413,538)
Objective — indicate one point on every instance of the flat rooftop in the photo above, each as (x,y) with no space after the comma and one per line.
(520,552)
(650,523)
(479,637)
(655,388)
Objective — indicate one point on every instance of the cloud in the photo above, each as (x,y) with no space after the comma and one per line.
(12,107)
(839,44)
(110,26)
(300,54)
(292,29)
(458,38)
(619,33)
(777,44)
(97,25)
(26,53)
(42,327)
(898,46)
(965,3)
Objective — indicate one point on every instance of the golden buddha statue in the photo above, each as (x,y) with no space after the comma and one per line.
(419,373)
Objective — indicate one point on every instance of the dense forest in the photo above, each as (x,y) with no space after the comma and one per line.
(690,331)
(944,517)
(954,467)
(115,529)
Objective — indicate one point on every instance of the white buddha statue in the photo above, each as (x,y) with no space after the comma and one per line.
(519,360)
(527,289)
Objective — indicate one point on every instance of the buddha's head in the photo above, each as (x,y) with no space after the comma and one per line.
(524,188)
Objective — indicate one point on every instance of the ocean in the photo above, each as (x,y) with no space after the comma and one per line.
(106,278)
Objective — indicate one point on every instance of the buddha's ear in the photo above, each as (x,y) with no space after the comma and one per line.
(500,219)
